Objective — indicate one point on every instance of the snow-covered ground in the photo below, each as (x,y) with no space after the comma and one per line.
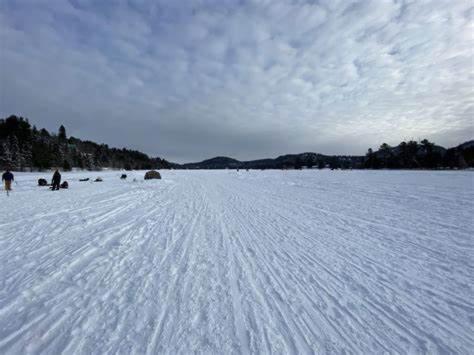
(239,262)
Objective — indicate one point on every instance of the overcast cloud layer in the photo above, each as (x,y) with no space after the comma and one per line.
(188,80)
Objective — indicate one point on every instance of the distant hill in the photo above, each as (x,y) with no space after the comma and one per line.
(461,156)
(23,147)
(466,145)
(290,161)
(407,155)
(214,163)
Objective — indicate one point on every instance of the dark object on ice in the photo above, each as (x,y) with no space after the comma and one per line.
(86,179)
(123,177)
(99,179)
(42,182)
(152,174)
(64,185)
(56,180)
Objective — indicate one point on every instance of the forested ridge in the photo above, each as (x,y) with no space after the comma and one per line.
(24,147)
(406,155)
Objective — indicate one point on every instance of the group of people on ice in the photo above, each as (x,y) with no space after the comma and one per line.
(8,178)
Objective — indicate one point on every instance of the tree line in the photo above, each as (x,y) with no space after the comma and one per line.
(407,155)
(24,147)
(420,155)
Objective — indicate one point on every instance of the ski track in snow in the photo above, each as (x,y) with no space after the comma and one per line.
(277,262)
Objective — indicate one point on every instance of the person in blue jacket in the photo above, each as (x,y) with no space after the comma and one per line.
(7,179)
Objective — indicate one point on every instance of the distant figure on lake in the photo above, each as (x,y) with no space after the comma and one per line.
(7,179)
(56,180)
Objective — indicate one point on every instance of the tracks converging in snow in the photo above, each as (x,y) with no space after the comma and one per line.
(240,262)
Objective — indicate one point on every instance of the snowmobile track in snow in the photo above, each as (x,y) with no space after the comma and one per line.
(239,262)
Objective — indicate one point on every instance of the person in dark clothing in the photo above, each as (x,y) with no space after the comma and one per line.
(7,179)
(56,180)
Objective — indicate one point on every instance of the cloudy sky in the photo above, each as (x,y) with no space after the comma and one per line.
(188,80)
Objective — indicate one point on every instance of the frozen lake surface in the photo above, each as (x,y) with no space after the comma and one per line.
(239,262)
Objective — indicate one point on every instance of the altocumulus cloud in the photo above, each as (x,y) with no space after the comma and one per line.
(193,79)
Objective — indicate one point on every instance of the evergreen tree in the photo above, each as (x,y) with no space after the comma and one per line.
(66,166)
(412,150)
(62,133)
(44,133)
(57,154)
(372,160)
(41,155)
(298,163)
(5,156)
(404,156)
(15,155)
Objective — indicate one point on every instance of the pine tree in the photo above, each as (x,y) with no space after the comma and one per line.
(14,149)
(56,154)
(44,133)
(371,161)
(62,133)
(66,166)
(5,155)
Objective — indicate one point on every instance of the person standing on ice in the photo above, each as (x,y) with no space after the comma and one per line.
(7,179)
(56,180)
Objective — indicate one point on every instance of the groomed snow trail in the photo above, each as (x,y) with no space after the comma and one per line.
(239,262)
